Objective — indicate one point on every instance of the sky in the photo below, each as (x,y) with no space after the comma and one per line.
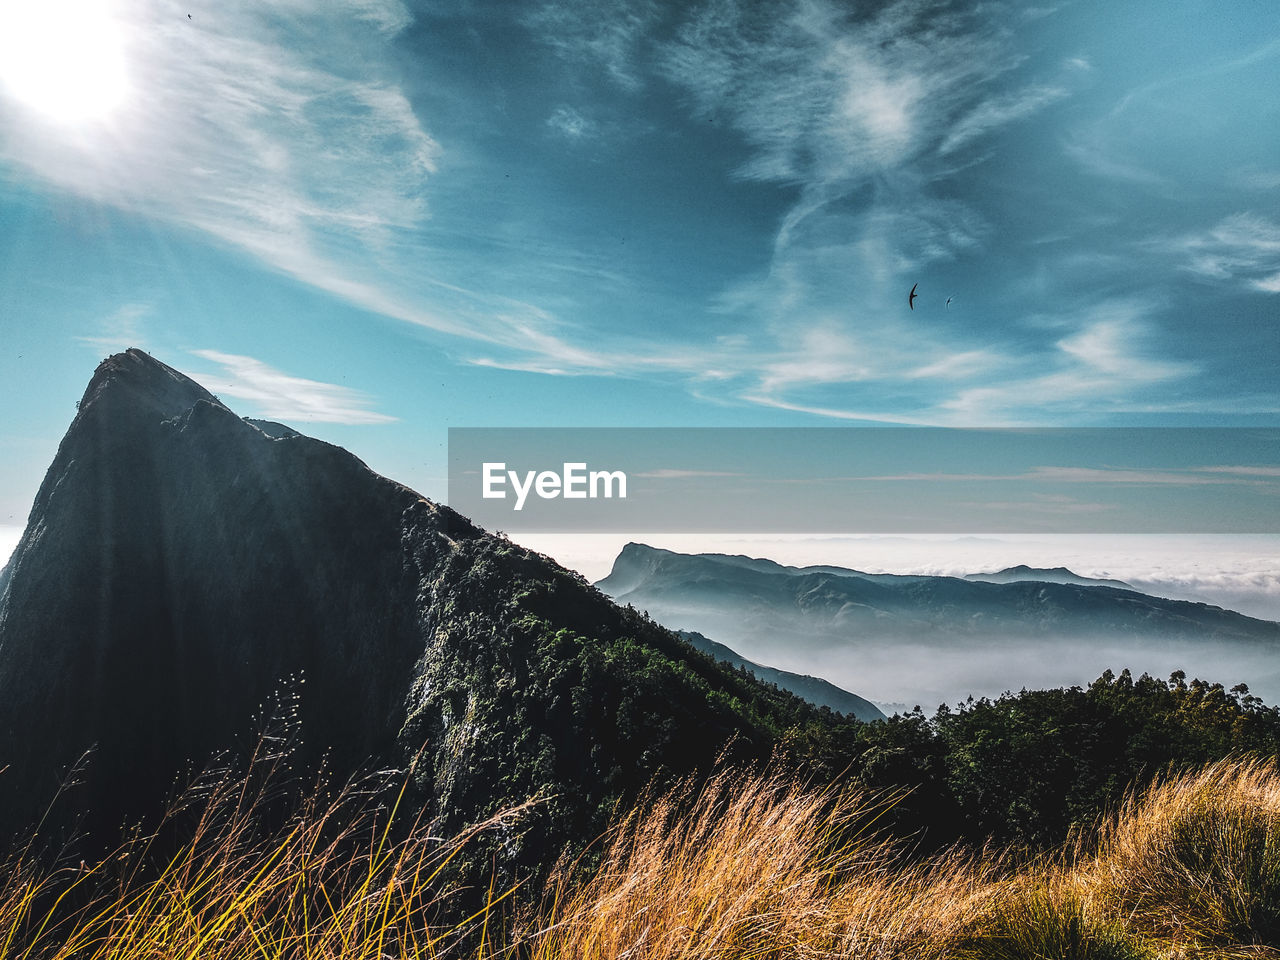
(376,220)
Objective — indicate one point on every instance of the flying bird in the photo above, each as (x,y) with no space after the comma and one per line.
(948,301)
(911,297)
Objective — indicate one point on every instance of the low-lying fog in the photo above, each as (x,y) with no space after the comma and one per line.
(1237,572)
(1240,573)
(899,676)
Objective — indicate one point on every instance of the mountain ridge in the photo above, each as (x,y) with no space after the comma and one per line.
(821,692)
(922,639)
(639,565)
(1048,575)
(181,564)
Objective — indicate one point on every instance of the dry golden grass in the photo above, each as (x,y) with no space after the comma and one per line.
(331,881)
(743,868)
(761,867)
(765,868)
(1196,860)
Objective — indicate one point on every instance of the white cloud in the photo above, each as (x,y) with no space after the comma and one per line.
(607,34)
(961,365)
(1177,478)
(1244,471)
(1106,361)
(9,537)
(920,373)
(670,473)
(998,112)
(570,123)
(1243,246)
(1104,159)
(876,109)
(308,156)
(278,395)
(1053,474)
(863,94)
(121,329)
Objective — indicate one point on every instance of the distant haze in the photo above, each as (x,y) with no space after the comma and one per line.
(1240,573)
(934,639)
(9,537)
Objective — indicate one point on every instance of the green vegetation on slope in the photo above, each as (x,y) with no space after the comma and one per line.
(1030,766)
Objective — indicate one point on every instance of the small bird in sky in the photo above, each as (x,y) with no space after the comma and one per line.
(948,301)
(188,16)
(911,297)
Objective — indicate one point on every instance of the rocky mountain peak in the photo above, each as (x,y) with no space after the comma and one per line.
(181,564)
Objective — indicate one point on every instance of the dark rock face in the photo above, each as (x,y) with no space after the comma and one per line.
(181,563)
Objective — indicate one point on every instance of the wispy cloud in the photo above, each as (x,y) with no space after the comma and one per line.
(570,123)
(286,132)
(671,473)
(878,108)
(1110,358)
(1189,477)
(120,329)
(282,396)
(282,131)
(998,112)
(1243,246)
(1180,478)
(863,93)
(898,374)
(599,34)
(1244,471)
(1107,160)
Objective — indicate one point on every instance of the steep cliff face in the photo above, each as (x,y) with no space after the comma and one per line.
(180,564)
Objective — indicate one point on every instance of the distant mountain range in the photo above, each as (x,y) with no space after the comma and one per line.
(1045,575)
(894,637)
(185,571)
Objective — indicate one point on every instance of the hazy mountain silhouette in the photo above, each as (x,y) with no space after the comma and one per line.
(181,564)
(1046,575)
(908,637)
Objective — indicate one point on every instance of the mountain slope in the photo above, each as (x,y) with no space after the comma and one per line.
(814,689)
(184,569)
(890,606)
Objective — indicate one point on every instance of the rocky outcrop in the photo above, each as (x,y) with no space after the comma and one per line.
(182,566)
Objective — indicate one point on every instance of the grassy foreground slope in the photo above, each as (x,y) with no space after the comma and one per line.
(741,867)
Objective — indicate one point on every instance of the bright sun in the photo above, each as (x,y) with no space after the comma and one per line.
(62,58)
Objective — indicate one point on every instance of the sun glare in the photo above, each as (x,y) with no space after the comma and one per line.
(62,58)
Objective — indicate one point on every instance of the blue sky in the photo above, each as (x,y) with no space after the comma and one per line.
(377,220)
